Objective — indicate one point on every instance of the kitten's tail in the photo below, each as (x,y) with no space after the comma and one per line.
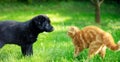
(113,46)
(109,42)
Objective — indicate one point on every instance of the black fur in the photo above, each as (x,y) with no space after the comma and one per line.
(24,34)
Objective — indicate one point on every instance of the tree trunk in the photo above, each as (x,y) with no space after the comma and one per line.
(97,14)
(97,4)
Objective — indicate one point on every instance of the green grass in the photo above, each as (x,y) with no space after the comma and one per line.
(57,46)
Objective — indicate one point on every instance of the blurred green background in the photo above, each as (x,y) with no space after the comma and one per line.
(34,1)
(57,46)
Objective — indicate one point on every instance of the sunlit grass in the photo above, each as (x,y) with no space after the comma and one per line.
(57,18)
(57,46)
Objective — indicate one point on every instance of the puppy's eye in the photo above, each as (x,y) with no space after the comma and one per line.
(39,23)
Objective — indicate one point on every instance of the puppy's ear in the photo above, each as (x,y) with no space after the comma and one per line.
(38,19)
(41,18)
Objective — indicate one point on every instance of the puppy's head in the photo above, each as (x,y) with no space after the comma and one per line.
(43,23)
(72,30)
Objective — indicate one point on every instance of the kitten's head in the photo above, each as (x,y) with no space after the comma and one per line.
(72,30)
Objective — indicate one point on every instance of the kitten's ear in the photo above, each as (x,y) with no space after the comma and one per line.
(73,29)
(71,34)
(76,29)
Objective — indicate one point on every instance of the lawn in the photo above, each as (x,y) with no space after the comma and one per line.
(57,46)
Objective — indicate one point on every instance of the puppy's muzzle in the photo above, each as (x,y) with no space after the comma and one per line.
(50,29)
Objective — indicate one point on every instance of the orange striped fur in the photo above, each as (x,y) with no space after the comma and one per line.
(93,38)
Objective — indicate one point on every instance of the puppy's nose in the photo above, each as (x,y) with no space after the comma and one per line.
(52,29)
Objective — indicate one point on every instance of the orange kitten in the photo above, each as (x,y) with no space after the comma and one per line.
(93,38)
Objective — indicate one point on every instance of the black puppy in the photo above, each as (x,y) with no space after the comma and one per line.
(24,34)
